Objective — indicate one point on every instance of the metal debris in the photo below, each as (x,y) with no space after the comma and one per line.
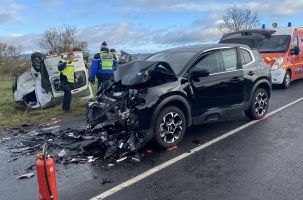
(26,176)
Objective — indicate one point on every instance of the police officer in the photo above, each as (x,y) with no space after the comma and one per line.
(67,79)
(103,66)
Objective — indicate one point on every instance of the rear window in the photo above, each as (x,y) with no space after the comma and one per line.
(275,44)
(245,57)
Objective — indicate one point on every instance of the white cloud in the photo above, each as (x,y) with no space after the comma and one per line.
(10,11)
(29,42)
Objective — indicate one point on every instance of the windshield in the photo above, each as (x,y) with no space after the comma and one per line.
(275,44)
(176,59)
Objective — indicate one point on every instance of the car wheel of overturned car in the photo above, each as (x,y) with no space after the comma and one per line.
(37,59)
(169,127)
(286,81)
(259,105)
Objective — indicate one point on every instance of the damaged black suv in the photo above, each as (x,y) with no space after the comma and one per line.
(159,97)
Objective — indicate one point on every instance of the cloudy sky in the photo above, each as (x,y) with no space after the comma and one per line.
(133,25)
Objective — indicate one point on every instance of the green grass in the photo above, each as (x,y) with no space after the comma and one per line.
(12,114)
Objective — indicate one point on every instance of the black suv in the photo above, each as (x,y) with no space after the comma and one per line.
(161,96)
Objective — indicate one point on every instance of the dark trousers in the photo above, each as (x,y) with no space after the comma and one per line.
(67,87)
(104,81)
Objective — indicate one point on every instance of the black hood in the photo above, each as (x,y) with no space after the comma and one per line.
(140,71)
(252,38)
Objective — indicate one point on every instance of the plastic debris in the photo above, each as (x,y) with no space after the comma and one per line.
(34,133)
(121,159)
(72,135)
(105,181)
(26,176)
(78,160)
(110,165)
(91,159)
(87,137)
(61,153)
(51,128)
(136,158)
(172,148)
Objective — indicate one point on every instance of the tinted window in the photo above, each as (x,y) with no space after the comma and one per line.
(275,44)
(211,62)
(245,57)
(176,59)
(229,59)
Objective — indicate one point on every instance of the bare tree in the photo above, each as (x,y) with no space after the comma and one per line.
(10,62)
(59,40)
(236,19)
(9,54)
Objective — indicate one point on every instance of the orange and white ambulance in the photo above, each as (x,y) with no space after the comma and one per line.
(281,49)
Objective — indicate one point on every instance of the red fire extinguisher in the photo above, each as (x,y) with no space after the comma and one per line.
(46,176)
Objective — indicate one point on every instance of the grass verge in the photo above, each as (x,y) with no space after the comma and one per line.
(12,114)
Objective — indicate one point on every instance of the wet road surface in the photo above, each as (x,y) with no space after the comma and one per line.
(263,161)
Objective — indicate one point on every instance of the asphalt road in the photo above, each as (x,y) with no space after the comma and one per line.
(263,161)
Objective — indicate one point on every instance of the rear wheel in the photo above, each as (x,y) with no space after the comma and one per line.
(286,81)
(169,127)
(259,105)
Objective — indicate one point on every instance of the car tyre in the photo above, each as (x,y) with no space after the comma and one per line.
(286,81)
(259,105)
(169,127)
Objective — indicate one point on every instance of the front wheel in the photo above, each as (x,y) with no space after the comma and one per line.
(286,81)
(259,105)
(169,127)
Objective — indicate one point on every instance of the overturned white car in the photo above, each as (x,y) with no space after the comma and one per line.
(39,86)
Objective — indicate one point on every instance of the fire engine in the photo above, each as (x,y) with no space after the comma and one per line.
(281,49)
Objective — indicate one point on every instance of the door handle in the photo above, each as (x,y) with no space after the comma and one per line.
(251,73)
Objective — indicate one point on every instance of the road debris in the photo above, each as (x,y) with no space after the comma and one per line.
(61,153)
(105,181)
(26,176)
(172,148)
(91,159)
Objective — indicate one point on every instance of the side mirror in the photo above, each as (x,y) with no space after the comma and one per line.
(199,73)
(295,51)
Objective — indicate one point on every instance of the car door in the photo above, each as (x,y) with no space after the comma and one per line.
(223,87)
(297,68)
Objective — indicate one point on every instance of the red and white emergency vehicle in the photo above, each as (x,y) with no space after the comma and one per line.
(281,49)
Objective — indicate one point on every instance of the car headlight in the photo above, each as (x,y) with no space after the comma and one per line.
(277,64)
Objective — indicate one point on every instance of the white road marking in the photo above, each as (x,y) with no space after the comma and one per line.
(153,170)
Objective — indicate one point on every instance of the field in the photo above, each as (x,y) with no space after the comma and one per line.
(12,114)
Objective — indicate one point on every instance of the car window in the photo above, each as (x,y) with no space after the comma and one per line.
(294,42)
(212,62)
(229,57)
(176,59)
(245,57)
(275,44)
(301,43)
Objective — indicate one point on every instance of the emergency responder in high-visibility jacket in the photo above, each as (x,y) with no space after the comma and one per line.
(67,79)
(103,66)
